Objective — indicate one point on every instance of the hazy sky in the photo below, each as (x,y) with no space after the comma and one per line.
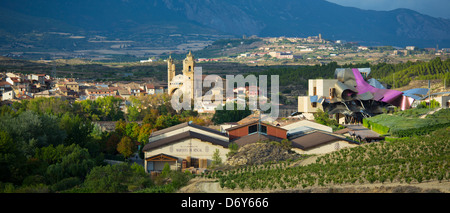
(435,8)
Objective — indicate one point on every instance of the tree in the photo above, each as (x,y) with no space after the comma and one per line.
(323,118)
(126,147)
(117,178)
(144,133)
(233,147)
(217,160)
(75,162)
(110,146)
(121,127)
(222,116)
(10,157)
(151,116)
(78,131)
(166,170)
(165,121)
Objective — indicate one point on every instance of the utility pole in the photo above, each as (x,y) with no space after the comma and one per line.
(259,125)
(445,79)
(429,93)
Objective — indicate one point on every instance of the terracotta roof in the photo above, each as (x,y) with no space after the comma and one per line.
(124,92)
(181,136)
(4,83)
(342,131)
(251,118)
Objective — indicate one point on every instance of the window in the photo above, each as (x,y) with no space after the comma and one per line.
(314,91)
(252,129)
(264,129)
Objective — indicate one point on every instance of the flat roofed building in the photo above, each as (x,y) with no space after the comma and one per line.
(307,123)
(318,88)
(253,128)
(319,142)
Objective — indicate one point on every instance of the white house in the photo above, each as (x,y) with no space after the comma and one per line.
(9,95)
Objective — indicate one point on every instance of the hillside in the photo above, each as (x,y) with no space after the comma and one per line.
(383,167)
(157,26)
(404,73)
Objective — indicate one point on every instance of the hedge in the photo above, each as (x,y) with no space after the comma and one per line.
(380,129)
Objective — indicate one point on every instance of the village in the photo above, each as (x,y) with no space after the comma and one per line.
(331,117)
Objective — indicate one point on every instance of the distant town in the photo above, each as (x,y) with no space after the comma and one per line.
(16,87)
(255,50)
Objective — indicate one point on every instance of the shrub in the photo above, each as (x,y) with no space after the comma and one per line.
(33,180)
(65,184)
(116,178)
(166,170)
(233,147)
(39,188)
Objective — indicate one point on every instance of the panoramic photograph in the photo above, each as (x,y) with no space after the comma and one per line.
(225,104)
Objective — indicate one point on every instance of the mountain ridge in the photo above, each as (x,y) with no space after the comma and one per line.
(123,19)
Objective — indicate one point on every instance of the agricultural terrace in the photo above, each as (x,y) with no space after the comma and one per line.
(409,122)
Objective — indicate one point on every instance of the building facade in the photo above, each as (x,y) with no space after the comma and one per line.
(318,88)
(184,146)
(176,82)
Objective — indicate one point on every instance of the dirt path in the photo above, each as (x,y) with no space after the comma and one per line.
(201,185)
(431,112)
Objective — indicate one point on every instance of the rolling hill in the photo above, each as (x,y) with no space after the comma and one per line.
(164,23)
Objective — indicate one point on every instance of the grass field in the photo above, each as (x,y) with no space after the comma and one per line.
(408,120)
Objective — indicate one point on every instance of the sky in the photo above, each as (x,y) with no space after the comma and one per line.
(435,8)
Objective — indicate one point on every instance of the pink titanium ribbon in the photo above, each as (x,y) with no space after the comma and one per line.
(393,97)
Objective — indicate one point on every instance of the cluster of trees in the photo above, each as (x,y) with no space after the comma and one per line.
(52,145)
(417,159)
(101,109)
(401,74)
(223,116)
(42,152)
(128,137)
(299,75)
(322,117)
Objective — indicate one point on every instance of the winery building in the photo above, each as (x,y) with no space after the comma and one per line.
(191,146)
(183,146)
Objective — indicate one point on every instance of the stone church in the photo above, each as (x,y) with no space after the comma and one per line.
(176,82)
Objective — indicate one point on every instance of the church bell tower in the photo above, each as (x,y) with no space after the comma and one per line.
(188,71)
(188,66)
(170,69)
